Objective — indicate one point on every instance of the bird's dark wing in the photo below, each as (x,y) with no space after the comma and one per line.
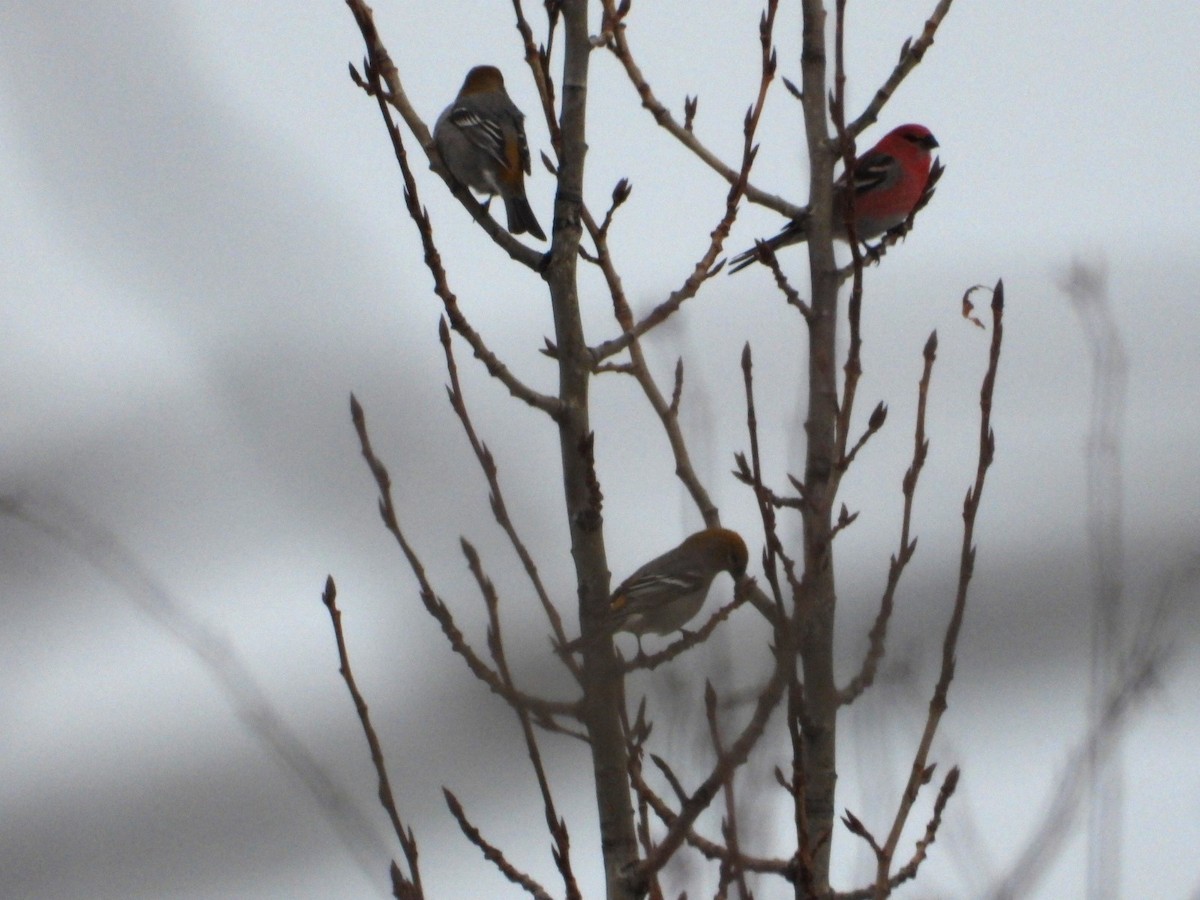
(482,131)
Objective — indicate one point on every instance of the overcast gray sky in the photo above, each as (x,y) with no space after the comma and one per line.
(205,251)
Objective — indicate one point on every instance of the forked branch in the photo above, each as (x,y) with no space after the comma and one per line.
(908,545)
(432,602)
(615,39)
(921,770)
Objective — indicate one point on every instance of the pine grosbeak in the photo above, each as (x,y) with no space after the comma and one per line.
(667,592)
(482,142)
(888,180)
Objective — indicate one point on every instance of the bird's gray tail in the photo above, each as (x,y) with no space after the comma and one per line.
(521,218)
(793,233)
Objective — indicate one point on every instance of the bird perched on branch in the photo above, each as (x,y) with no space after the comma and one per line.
(481,139)
(667,592)
(888,180)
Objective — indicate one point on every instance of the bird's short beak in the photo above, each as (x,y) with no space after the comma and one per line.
(930,142)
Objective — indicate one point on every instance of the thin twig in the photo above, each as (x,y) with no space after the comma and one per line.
(667,411)
(908,545)
(433,603)
(690,639)
(921,771)
(708,848)
(636,735)
(496,498)
(707,266)
(773,552)
(554,823)
(856,827)
(737,754)
(908,871)
(730,825)
(491,853)
(745,474)
(538,59)
(767,256)
(852,368)
(410,883)
(910,55)
(874,423)
(615,40)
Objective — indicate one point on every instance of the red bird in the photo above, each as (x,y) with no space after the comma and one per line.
(888,180)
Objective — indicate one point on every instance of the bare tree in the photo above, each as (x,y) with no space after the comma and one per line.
(647,816)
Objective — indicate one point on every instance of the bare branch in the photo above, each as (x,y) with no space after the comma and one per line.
(845,520)
(620,194)
(878,417)
(852,368)
(615,40)
(910,55)
(603,704)
(667,411)
(855,826)
(538,59)
(743,473)
(379,66)
(729,873)
(491,853)
(814,737)
(499,509)
(707,267)
(708,848)
(690,639)
(434,604)
(556,826)
(908,545)
(909,871)
(773,552)
(764,254)
(738,751)
(408,885)
(920,772)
